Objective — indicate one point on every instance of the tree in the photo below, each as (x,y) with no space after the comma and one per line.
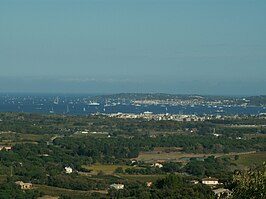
(250,184)
(171,181)
(10,190)
(119,170)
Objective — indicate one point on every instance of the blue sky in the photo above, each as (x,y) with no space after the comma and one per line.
(109,46)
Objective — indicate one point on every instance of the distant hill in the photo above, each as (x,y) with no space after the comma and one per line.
(159,96)
(226,100)
(257,100)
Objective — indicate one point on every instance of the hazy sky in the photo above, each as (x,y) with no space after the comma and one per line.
(172,46)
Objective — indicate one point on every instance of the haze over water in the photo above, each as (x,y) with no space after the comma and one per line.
(113,46)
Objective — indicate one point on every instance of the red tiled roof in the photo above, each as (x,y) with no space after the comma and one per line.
(209,179)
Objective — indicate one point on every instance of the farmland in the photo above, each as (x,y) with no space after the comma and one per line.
(164,154)
(53,191)
(251,160)
(102,151)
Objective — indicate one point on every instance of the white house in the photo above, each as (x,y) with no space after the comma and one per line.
(68,170)
(210,181)
(8,148)
(158,165)
(149,184)
(117,186)
(24,185)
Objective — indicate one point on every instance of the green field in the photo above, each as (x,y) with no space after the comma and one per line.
(11,138)
(174,155)
(249,160)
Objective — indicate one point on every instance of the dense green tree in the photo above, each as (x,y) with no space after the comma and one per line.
(10,190)
(250,184)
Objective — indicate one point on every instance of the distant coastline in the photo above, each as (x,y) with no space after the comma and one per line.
(132,103)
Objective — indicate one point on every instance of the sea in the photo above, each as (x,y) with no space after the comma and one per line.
(82,105)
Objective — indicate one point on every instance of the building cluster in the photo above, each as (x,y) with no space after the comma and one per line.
(195,100)
(179,117)
(213,183)
(158,117)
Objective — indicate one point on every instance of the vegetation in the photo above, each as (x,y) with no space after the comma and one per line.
(172,186)
(11,190)
(250,184)
(125,151)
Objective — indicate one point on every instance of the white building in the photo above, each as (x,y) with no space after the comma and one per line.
(158,165)
(149,184)
(68,170)
(8,148)
(117,186)
(24,185)
(210,181)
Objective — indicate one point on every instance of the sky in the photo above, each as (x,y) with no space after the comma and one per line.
(213,47)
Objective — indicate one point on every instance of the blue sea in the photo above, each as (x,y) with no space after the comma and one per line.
(81,105)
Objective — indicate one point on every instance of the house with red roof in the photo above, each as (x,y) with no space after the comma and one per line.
(210,181)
